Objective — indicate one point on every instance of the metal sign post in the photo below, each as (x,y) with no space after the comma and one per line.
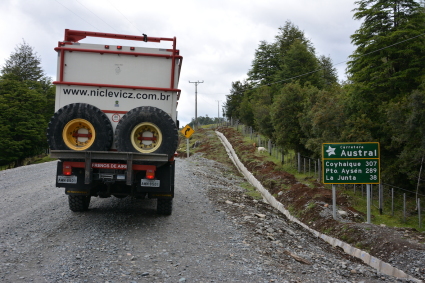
(187,132)
(334,201)
(368,203)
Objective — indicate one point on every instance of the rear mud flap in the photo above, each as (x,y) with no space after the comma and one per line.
(75,188)
(165,174)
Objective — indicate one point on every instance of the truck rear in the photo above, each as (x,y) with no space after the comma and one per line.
(115,125)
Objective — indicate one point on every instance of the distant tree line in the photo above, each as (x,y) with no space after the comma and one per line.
(26,105)
(205,121)
(293,96)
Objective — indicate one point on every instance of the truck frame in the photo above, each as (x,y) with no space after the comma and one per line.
(115,125)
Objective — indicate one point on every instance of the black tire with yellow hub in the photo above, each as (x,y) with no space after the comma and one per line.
(80,127)
(147,130)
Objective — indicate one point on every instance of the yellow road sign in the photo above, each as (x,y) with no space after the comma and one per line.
(187,131)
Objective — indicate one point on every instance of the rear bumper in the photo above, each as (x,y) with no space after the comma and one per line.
(108,155)
(90,157)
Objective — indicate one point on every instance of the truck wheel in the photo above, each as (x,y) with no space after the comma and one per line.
(147,130)
(79,126)
(164,206)
(78,203)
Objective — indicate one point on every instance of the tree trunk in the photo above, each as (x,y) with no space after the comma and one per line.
(19,162)
(417,186)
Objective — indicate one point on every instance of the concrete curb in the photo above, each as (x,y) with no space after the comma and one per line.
(379,265)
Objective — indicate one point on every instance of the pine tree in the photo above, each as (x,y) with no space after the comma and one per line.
(288,34)
(234,99)
(265,64)
(299,64)
(327,72)
(388,60)
(385,68)
(263,100)
(26,105)
(23,64)
(22,122)
(285,114)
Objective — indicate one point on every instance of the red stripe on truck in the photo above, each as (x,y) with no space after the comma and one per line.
(118,166)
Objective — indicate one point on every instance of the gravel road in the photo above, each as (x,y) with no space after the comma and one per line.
(215,234)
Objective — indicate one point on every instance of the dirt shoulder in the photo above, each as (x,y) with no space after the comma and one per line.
(311,204)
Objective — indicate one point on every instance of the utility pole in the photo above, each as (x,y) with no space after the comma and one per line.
(218,112)
(195,125)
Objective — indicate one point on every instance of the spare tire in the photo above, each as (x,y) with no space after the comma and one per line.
(80,126)
(147,129)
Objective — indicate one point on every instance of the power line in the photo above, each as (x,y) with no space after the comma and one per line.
(213,93)
(125,17)
(305,74)
(392,45)
(96,16)
(77,15)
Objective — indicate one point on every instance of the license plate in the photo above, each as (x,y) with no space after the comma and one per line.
(67,179)
(149,183)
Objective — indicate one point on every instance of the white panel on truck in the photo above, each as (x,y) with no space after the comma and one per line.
(101,68)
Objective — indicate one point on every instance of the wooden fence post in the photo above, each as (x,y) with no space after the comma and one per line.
(299,162)
(381,198)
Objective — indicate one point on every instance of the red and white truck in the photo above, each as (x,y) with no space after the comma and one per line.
(115,125)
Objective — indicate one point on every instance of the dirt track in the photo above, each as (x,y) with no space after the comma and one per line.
(215,234)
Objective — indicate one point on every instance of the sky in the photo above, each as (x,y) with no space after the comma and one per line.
(217,38)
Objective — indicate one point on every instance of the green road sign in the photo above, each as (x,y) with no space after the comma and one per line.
(351,163)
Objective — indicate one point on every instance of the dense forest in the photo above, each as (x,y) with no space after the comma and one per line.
(293,96)
(26,105)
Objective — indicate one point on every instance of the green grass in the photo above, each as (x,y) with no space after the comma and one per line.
(311,205)
(251,191)
(307,178)
(43,159)
(412,221)
(358,202)
(217,152)
(31,160)
(4,167)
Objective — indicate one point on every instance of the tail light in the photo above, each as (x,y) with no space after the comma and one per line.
(67,170)
(150,174)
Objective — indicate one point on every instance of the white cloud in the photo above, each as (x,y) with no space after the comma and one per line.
(216,38)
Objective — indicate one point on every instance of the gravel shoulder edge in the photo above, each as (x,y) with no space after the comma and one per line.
(372,261)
